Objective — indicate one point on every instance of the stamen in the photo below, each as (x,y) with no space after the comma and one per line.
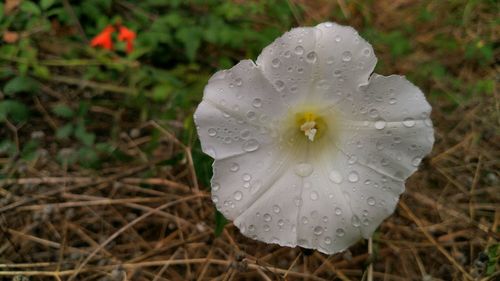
(309,129)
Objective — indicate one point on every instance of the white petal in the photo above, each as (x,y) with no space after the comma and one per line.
(345,61)
(285,66)
(396,132)
(238,111)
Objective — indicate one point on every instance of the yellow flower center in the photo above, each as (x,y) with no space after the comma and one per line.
(310,124)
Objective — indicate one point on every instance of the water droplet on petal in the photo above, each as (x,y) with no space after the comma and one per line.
(346,56)
(353,176)
(234,167)
(247,177)
(299,50)
(311,57)
(318,230)
(303,169)
(257,103)
(338,211)
(276,209)
(328,240)
(215,199)
(267,217)
(266,227)
(338,38)
(212,132)
(416,161)
(328,24)
(330,60)
(355,221)
(238,195)
(238,82)
(335,176)
(305,220)
(371,201)
(393,101)
(276,63)
(314,195)
(215,186)
(380,124)
(340,232)
(251,145)
(409,122)
(244,133)
(280,85)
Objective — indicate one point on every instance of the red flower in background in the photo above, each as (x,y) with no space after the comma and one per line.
(104,39)
(128,36)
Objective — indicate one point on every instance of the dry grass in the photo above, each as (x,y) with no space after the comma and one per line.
(116,224)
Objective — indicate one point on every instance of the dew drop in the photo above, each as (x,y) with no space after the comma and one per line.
(212,132)
(251,228)
(215,199)
(338,38)
(355,221)
(373,113)
(346,56)
(371,201)
(328,24)
(303,169)
(276,209)
(380,124)
(281,222)
(267,217)
(280,85)
(416,161)
(305,220)
(251,145)
(393,101)
(287,54)
(215,186)
(314,195)
(234,167)
(247,177)
(276,63)
(330,60)
(299,50)
(238,195)
(311,57)
(318,230)
(366,52)
(328,240)
(353,176)
(257,103)
(266,227)
(340,232)
(409,122)
(338,211)
(335,176)
(251,115)
(238,82)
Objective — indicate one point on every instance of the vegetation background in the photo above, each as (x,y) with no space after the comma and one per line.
(101,172)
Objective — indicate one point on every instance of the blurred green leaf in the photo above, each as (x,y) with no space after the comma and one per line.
(191,38)
(82,135)
(45,4)
(65,131)
(20,84)
(14,111)
(30,8)
(63,110)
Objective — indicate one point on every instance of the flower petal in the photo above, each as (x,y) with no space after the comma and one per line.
(238,111)
(284,64)
(396,132)
(345,61)
(257,191)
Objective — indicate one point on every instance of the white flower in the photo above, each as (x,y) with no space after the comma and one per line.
(309,149)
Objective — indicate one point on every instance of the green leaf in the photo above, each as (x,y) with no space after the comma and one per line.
(20,84)
(65,131)
(63,110)
(162,91)
(82,135)
(220,222)
(14,111)
(30,8)
(493,255)
(191,38)
(45,4)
